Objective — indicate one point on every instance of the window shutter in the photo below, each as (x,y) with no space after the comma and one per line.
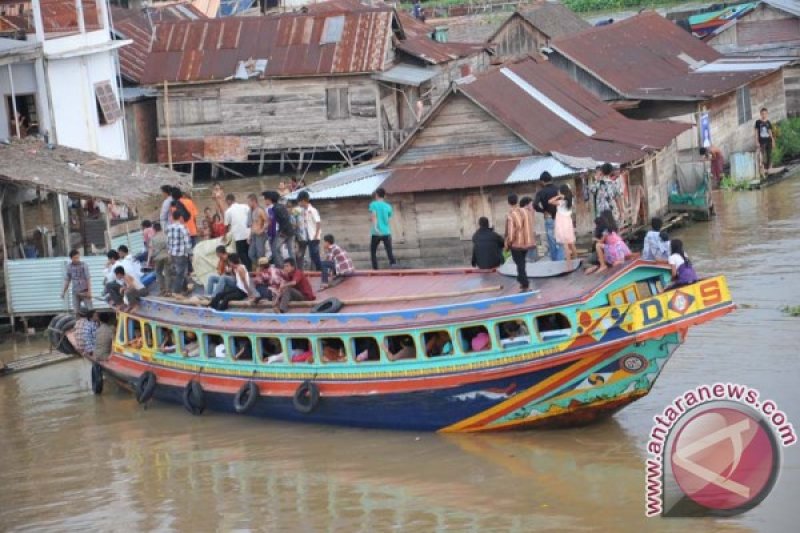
(107,106)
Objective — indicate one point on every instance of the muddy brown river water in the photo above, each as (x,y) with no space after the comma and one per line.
(70,460)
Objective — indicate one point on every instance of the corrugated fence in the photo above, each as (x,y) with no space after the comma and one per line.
(35,285)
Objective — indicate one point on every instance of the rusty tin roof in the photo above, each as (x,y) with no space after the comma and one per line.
(648,57)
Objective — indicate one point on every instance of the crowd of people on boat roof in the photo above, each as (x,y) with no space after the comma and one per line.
(272,237)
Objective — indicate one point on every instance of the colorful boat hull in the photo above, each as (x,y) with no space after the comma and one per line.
(613,357)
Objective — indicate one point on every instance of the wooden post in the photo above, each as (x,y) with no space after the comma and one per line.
(166,123)
(261,163)
(108,229)
(14,101)
(282,162)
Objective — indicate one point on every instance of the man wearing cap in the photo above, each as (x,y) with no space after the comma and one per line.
(267,280)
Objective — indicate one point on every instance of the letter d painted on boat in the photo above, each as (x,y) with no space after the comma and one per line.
(651,312)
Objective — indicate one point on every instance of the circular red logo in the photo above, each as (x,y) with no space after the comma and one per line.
(724,458)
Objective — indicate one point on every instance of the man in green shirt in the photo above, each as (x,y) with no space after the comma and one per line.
(380,213)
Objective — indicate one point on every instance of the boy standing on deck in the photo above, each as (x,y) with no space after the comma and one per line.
(380,214)
(519,239)
(78,276)
(178,247)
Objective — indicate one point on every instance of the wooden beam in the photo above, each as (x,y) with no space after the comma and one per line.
(219,165)
(166,123)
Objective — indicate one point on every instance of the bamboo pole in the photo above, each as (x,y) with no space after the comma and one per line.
(167,123)
(14,101)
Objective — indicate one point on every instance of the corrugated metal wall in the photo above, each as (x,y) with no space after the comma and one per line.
(35,285)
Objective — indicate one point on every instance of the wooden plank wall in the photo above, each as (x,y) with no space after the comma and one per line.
(791,81)
(517,39)
(462,129)
(276,114)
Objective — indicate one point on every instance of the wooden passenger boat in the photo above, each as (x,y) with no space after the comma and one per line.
(482,356)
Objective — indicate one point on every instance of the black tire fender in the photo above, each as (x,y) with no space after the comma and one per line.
(331,305)
(194,399)
(145,387)
(306,397)
(58,328)
(97,378)
(246,398)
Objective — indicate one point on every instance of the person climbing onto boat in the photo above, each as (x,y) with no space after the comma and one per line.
(78,276)
(656,246)
(267,280)
(487,246)
(295,287)
(564,230)
(406,349)
(380,212)
(336,261)
(104,336)
(131,264)
(519,239)
(541,204)
(683,272)
(85,332)
(239,291)
(131,288)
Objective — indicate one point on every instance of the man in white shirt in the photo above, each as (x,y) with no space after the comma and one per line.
(131,265)
(236,218)
(313,228)
(111,287)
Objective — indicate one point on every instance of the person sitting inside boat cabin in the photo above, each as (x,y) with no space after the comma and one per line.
(301,351)
(514,333)
(295,287)
(476,339)
(85,332)
(336,261)
(223,279)
(656,246)
(487,246)
(683,272)
(272,352)
(136,342)
(130,287)
(240,291)
(267,280)
(104,337)
(438,343)
(611,250)
(167,342)
(191,346)
(244,350)
(333,351)
(401,347)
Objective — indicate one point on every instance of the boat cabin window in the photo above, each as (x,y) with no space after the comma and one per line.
(332,350)
(189,344)
(513,334)
(241,348)
(475,339)
(271,350)
(215,347)
(553,326)
(437,343)
(626,295)
(399,347)
(148,336)
(300,351)
(166,340)
(366,350)
(134,334)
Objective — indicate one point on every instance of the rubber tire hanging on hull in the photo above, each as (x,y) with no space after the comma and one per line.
(194,399)
(306,397)
(331,305)
(57,333)
(97,378)
(246,398)
(145,387)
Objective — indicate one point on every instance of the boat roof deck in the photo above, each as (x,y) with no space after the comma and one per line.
(381,299)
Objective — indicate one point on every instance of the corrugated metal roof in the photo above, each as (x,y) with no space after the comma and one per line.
(553,19)
(434,52)
(789,6)
(211,49)
(406,75)
(35,285)
(650,58)
(615,138)
(359,188)
(742,66)
(530,168)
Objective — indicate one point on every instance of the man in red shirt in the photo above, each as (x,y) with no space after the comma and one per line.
(295,287)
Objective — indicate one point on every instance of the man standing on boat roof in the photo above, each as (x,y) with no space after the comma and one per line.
(519,238)
(380,212)
(541,203)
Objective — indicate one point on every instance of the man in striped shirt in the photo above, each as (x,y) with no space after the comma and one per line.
(519,238)
(179,247)
(336,261)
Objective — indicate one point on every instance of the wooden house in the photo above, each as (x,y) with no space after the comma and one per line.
(328,84)
(532,27)
(648,67)
(771,29)
(484,139)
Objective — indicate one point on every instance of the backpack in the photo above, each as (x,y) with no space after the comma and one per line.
(284,220)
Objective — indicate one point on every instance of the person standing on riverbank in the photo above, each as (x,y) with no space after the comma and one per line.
(717,160)
(78,276)
(519,239)
(765,139)
(541,204)
(381,213)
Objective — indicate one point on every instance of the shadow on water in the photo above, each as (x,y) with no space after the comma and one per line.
(70,460)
